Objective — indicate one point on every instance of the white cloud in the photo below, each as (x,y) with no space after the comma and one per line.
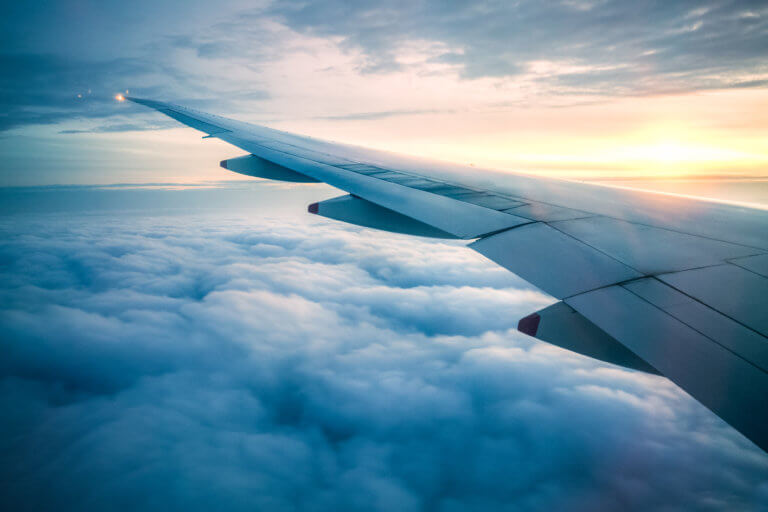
(235,362)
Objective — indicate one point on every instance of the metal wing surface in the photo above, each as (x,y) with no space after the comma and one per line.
(656,282)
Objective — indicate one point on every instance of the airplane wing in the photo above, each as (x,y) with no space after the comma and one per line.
(654,282)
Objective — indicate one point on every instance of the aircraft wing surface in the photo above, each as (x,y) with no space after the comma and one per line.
(655,282)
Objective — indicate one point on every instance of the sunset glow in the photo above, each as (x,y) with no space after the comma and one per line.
(563,112)
(621,138)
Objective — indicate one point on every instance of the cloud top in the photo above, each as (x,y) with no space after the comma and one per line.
(238,362)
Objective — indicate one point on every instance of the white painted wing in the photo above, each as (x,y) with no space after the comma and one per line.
(680,282)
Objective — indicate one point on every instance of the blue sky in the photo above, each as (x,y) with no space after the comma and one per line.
(174,336)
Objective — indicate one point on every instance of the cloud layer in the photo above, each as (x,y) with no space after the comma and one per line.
(240,362)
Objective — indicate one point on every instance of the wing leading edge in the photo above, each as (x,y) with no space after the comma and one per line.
(652,282)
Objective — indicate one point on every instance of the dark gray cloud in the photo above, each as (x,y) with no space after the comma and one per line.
(194,52)
(65,61)
(628,47)
(48,89)
(43,89)
(233,361)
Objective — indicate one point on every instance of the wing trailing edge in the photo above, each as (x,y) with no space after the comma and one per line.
(561,325)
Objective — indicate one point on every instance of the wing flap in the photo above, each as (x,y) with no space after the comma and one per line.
(561,325)
(732,290)
(757,264)
(726,383)
(648,249)
(558,264)
(732,335)
(546,212)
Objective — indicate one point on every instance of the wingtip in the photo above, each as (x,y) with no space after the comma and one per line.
(143,101)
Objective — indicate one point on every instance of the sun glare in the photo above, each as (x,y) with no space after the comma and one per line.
(675,152)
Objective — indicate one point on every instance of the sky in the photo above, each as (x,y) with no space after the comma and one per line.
(176,336)
(577,88)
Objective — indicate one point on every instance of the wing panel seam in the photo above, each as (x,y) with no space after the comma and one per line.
(694,328)
(339,167)
(704,303)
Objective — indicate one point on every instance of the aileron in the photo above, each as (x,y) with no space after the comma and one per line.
(734,291)
(720,379)
(558,264)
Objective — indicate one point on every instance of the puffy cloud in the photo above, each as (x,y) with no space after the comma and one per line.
(238,362)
